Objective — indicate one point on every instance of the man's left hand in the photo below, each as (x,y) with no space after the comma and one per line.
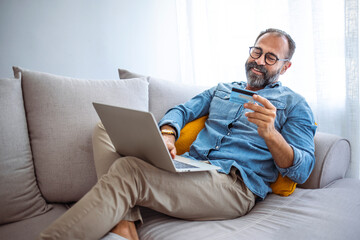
(263,116)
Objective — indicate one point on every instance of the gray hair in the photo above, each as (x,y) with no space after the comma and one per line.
(291,42)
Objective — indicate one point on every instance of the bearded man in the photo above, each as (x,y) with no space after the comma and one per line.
(251,142)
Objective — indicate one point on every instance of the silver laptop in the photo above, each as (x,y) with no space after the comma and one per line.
(136,133)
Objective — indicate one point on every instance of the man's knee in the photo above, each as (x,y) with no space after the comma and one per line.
(126,164)
(98,128)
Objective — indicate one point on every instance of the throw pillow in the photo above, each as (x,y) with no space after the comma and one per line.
(283,186)
(188,134)
(125,74)
(61,120)
(20,197)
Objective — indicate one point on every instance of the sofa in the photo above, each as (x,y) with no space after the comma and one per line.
(46,164)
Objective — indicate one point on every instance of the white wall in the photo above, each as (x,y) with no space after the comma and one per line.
(90,38)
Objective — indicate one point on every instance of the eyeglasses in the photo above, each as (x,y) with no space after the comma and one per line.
(270,58)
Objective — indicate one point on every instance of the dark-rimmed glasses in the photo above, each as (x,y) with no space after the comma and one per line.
(270,58)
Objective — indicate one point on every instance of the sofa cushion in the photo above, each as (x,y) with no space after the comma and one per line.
(31,228)
(20,197)
(164,94)
(61,119)
(125,74)
(188,134)
(328,213)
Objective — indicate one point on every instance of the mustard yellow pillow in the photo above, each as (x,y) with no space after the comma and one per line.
(188,135)
(283,186)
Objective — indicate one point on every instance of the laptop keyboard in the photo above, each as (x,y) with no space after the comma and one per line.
(181,165)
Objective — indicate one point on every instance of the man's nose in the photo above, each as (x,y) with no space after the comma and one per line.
(260,60)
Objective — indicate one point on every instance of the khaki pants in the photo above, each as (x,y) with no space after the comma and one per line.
(131,182)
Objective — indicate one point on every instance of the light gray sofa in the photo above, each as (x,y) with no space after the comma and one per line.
(46,164)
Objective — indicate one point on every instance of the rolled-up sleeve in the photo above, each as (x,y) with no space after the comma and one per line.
(299,131)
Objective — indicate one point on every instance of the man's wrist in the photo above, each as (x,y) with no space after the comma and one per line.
(168,132)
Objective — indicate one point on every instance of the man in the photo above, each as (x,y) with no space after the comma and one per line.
(251,143)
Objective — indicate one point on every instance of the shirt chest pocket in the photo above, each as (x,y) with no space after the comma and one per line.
(280,113)
(222,108)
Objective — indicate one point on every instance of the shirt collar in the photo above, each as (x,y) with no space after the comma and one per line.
(275,84)
(272,85)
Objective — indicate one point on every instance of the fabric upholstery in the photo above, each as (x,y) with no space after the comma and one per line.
(31,228)
(61,119)
(330,213)
(125,74)
(20,197)
(283,186)
(165,94)
(328,150)
(188,135)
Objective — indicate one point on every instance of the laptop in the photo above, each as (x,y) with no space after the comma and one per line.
(136,133)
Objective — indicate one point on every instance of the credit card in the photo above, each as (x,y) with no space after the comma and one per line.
(241,96)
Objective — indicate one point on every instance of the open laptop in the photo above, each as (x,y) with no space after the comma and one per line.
(136,133)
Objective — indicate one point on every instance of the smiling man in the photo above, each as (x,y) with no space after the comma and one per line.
(251,142)
(263,66)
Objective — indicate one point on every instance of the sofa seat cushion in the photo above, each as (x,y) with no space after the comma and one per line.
(31,228)
(329,213)
(20,197)
(61,119)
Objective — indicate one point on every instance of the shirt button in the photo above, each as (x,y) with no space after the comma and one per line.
(217,147)
(228,133)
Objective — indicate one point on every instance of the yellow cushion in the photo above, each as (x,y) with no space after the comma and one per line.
(283,186)
(188,135)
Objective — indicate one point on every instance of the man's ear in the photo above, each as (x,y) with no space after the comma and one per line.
(285,67)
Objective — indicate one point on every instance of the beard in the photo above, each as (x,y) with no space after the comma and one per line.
(260,81)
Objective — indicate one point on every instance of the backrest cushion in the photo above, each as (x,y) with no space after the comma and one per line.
(61,119)
(20,197)
(164,94)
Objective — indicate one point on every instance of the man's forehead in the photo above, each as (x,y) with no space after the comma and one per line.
(274,42)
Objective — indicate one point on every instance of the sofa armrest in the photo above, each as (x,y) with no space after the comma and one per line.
(332,154)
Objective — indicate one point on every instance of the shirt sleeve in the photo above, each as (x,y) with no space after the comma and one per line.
(299,131)
(181,114)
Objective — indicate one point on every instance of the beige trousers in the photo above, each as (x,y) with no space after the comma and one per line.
(128,182)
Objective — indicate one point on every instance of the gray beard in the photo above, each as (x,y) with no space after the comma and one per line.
(260,81)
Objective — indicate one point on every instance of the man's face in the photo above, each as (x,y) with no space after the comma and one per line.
(258,73)
(257,80)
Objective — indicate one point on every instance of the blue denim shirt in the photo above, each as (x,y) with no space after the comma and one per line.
(229,139)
